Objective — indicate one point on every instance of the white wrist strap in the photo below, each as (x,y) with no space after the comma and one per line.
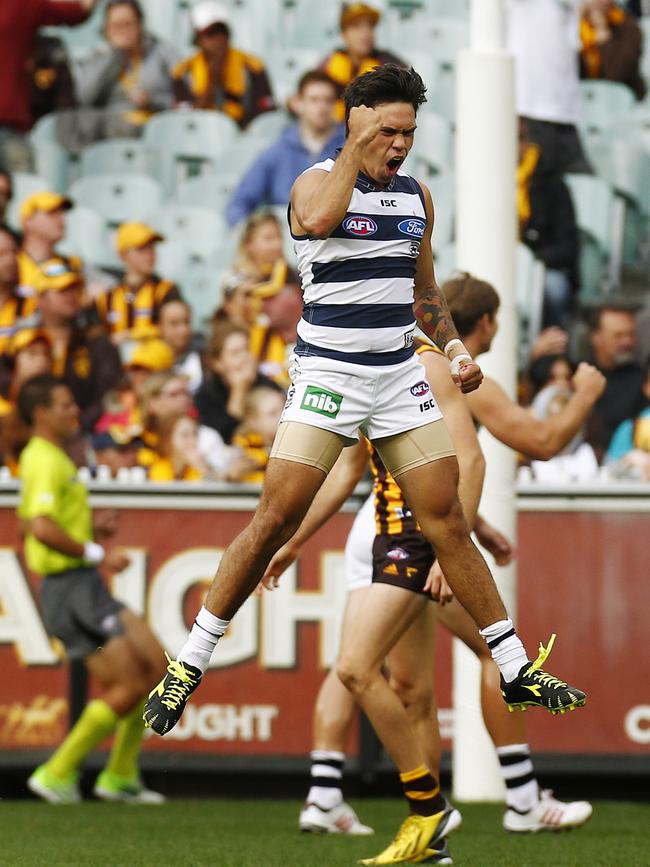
(458,361)
(453,343)
(93,553)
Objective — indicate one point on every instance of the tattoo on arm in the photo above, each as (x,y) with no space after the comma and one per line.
(434,318)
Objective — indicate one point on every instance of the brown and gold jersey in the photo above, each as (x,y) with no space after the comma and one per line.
(124,309)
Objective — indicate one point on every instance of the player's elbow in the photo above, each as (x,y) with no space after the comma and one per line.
(319,226)
(40,529)
(472,464)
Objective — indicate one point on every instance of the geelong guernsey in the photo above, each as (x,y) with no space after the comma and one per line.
(358,282)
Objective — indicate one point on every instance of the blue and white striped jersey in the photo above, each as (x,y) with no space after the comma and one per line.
(358,282)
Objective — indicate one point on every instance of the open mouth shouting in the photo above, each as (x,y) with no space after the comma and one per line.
(393,165)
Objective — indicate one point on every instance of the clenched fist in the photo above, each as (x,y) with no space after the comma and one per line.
(589,381)
(364,123)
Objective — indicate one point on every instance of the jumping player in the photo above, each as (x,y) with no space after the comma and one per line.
(362,231)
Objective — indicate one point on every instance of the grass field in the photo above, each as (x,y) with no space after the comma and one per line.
(264,834)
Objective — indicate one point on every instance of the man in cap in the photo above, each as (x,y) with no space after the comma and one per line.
(133,305)
(117,447)
(220,76)
(358,54)
(42,217)
(89,365)
(150,355)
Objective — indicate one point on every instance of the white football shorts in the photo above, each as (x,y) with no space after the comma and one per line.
(358,548)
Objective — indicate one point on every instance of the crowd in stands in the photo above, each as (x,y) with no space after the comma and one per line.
(193,397)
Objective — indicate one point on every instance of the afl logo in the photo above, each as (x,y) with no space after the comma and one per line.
(419,388)
(361,226)
(414,228)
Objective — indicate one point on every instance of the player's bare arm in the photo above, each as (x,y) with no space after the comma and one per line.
(319,200)
(433,316)
(518,429)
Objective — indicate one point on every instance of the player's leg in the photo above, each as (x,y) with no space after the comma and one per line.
(529,807)
(301,458)
(428,478)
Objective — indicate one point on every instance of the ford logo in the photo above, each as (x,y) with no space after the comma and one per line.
(419,388)
(361,226)
(414,227)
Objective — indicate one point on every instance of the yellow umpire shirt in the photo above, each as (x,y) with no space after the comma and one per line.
(50,488)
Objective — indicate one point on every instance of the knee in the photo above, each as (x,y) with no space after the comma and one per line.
(416,697)
(354,677)
(274,526)
(448,524)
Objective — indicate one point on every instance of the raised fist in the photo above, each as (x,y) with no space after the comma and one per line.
(590,381)
(364,123)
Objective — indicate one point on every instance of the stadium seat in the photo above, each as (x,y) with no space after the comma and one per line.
(267,127)
(211,191)
(118,197)
(51,161)
(644,24)
(601,233)
(85,235)
(44,129)
(24,184)
(286,67)
(200,230)
(201,287)
(189,142)
(604,102)
(172,260)
(120,156)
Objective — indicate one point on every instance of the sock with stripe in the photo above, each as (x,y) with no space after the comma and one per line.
(522,790)
(326,777)
(202,640)
(95,723)
(422,792)
(506,648)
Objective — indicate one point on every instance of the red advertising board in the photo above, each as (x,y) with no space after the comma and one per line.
(582,575)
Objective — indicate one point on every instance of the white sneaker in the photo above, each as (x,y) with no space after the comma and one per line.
(339,820)
(52,789)
(111,788)
(548,814)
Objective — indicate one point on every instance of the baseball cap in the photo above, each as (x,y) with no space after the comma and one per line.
(57,274)
(134,235)
(351,11)
(117,436)
(152,354)
(43,201)
(207,13)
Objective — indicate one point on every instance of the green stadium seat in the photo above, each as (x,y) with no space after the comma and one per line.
(120,156)
(267,127)
(190,142)
(603,103)
(200,230)
(644,24)
(44,129)
(209,191)
(172,260)
(119,197)
(85,235)
(201,287)
(286,68)
(51,161)
(24,184)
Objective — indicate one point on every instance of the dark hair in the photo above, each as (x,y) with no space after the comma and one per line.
(174,299)
(221,331)
(36,392)
(316,76)
(132,4)
(539,371)
(469,299)
(7,230)
(595,315)
(387,83)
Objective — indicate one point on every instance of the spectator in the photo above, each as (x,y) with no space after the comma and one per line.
(89,366)
(6,194)
(124,82)
(543,36)
(19,23)
(52,86)
(257,431)
(231,375)
(612,45)
(239,306)
(547,225)
(132,307)
(549,370)
(13,307)
(220,76)
(612,338)
(629,448)
(359,54)
(148,356)
(577,461)
(179,458)
(116,448)
(175,324)
(42,216)
(314,138)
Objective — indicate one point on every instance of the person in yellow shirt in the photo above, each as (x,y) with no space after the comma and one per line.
(13,307)
(42,218)
(358,54)
(257,431)
(118,648)
(131,308)
(179,457)
(219,76)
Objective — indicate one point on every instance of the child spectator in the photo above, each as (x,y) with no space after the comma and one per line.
(232,373)
(175,324)
(629,449)
(612,45)
(359,54)
(132,307)
(124,81)
(116,448)
(178,456)
(220,76)
(257,431)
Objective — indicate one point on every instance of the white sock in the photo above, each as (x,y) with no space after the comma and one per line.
(522,790)
(506,648)
(326,776)
(201,641)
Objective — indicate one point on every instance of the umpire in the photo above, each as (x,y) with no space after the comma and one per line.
(118,648)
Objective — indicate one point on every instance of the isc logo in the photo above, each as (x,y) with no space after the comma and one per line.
(361,226)
(419,388)
(321,401)
(427,404)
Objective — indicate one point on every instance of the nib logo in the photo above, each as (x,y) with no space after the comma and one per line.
(322,401)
